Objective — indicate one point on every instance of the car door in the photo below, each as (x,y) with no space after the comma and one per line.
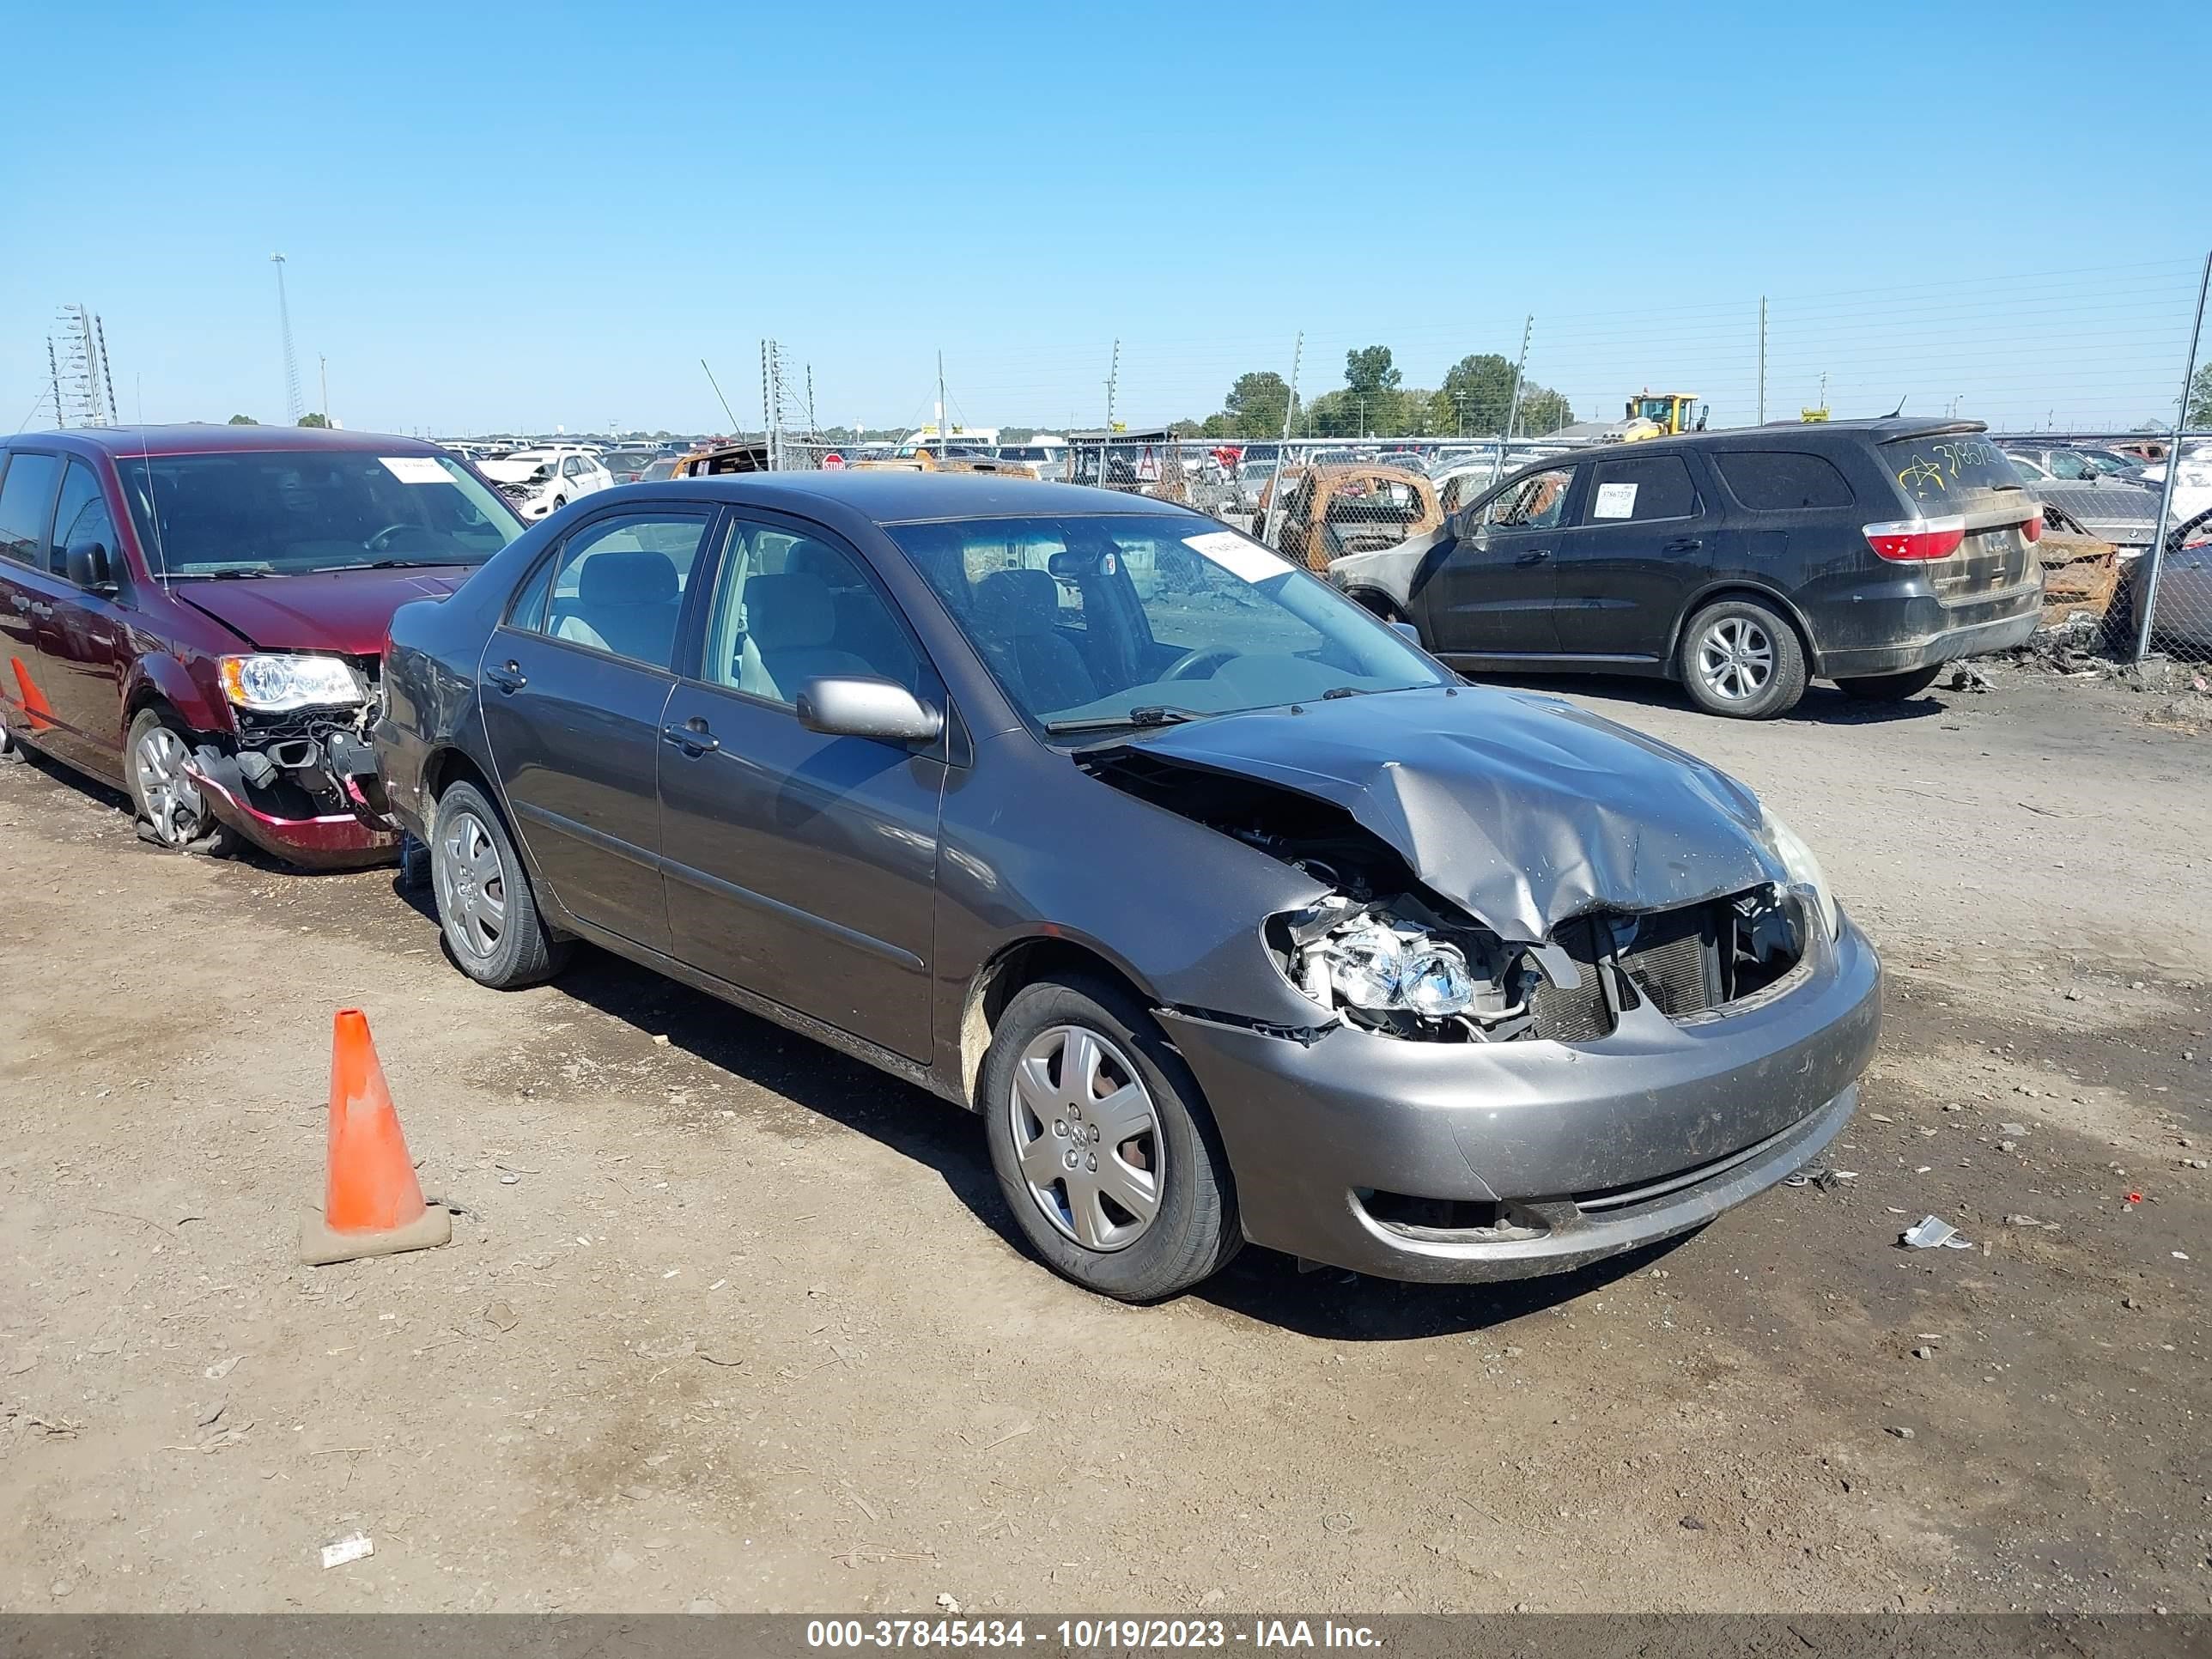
(802,868)
(29,480)
(81,631)
(1640,542)
(1491,595)
(573,684)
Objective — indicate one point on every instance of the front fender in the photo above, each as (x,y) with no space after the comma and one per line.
(156,677)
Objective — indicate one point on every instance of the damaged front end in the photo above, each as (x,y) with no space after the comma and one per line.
(298,779)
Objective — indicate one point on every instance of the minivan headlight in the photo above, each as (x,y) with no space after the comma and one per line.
(1804,870)
(270,682)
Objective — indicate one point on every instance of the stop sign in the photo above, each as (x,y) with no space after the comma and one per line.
(832,461)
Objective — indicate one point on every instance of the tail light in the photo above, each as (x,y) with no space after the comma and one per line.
(2032,530)
(1917,538)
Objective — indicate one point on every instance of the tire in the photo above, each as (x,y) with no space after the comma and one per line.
(11,746)
(1889,688)
(1742,659)
(559,501)
(171,811)
(1083,1231)
(493,928)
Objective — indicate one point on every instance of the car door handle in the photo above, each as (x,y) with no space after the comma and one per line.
(693,739)
(1535,555)
(510,677)
(1684,544)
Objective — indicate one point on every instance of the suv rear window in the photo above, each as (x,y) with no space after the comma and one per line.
(1781,480)
(1934,469)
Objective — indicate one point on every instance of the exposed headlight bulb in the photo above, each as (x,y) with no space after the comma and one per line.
(1434,979)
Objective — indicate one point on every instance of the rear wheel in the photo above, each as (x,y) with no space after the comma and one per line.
(1103,1145)
(1741,658)
(172,811)
(1888,688)
(485,904)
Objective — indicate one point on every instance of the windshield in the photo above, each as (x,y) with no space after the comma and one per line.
(1098,622)
(281,513)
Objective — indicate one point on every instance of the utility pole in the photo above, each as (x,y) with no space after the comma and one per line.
(812,429)
(1762,359)
(1113,379)
(943,419)
(1290,407)
(1513,408)
(292,410)
(54,372)
(106,373)
(323,368)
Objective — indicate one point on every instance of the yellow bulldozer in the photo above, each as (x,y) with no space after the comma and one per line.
(1667,414)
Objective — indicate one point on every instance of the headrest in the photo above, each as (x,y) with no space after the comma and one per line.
(788,612)
(1018,603)
(627,579)
(808,558)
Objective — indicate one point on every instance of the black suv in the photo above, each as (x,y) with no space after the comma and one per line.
(1741,563)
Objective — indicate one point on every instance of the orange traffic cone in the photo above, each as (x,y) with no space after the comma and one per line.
(34,701)
(372,1203)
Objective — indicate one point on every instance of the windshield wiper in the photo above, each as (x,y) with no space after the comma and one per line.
(219,575)
(1151,713)
(1336,691)
(384,564)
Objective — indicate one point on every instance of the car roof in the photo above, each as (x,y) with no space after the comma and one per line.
(902,497)
(196,438)
(1886,429)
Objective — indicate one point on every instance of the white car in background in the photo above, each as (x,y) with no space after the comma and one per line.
(2192,482)
(541,481)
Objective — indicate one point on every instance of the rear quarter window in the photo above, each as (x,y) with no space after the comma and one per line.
(1934,470)
(27,505)
(1782,481)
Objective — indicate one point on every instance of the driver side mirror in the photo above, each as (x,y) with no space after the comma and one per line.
(88,565)
(854,706)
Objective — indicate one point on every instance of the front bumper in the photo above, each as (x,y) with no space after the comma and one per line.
(1586,1151)
(331,841)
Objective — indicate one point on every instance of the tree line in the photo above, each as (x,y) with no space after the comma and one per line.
(1474,401)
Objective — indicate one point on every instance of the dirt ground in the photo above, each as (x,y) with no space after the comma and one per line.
(732,1322)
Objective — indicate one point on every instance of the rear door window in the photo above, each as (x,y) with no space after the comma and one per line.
(1782,481)
(1640,489)
(26,506)
(618,585)
(1937,470)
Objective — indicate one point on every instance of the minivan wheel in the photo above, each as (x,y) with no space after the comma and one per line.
(1889,688)
(489,916)
(172,811)
(1740,658)
(1103,1145)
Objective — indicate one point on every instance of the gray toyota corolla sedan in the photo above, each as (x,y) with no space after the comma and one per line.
(1232,914)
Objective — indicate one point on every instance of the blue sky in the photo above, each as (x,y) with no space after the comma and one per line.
(525,216)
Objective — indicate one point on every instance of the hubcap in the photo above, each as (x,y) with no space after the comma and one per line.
(471,884)
(172,805)
(1087,1136)
(1735,658)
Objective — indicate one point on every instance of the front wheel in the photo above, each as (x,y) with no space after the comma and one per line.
(1739,658)
(1888,688)
(1103,1145)
(172,811)
(485,905)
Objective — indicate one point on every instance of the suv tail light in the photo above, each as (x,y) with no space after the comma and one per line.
(1917,538)
(2031,529)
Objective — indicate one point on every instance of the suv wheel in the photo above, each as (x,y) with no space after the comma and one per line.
(172,812)
(1101,1144)
(485,906)
(1739,658)
(1889,688)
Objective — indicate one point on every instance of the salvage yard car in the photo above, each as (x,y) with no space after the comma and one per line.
(1741,563)
(541,482)
(195,614)
(1233,915)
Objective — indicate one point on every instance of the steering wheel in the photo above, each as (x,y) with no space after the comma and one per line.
(1186,666)
(375,543)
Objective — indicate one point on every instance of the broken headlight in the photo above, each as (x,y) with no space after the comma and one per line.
(1804,870)
(1385,970)
(1378,967)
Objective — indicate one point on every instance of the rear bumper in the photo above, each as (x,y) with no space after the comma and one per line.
(1585,1151)
(334,842)
(1921,633)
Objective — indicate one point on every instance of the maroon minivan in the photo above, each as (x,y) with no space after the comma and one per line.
(197,614)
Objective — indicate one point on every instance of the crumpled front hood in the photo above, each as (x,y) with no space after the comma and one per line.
(342,611)
(1523,810)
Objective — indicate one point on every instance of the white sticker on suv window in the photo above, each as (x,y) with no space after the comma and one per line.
(416,469)
(1239,557)
(1615,501)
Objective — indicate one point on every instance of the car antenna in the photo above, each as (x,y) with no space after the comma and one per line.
(1899,410)
(720,399)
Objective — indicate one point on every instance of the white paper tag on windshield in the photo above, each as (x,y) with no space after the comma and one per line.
(416,469)
(1615,501)
(1238,556)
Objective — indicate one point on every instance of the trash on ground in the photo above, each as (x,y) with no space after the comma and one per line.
(1930,1232)
(2014,1129)
(217,1372)
(1964,679)
(1826,1180)
(352,1547)
(1902,1433)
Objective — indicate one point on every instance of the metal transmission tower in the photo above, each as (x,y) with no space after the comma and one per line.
(292,407)
(76,361)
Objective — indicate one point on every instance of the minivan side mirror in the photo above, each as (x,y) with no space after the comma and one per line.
(88,565)
(857,706)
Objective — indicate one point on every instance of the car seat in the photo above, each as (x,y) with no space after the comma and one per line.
(626,603)
(1017,625)
(791,623)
